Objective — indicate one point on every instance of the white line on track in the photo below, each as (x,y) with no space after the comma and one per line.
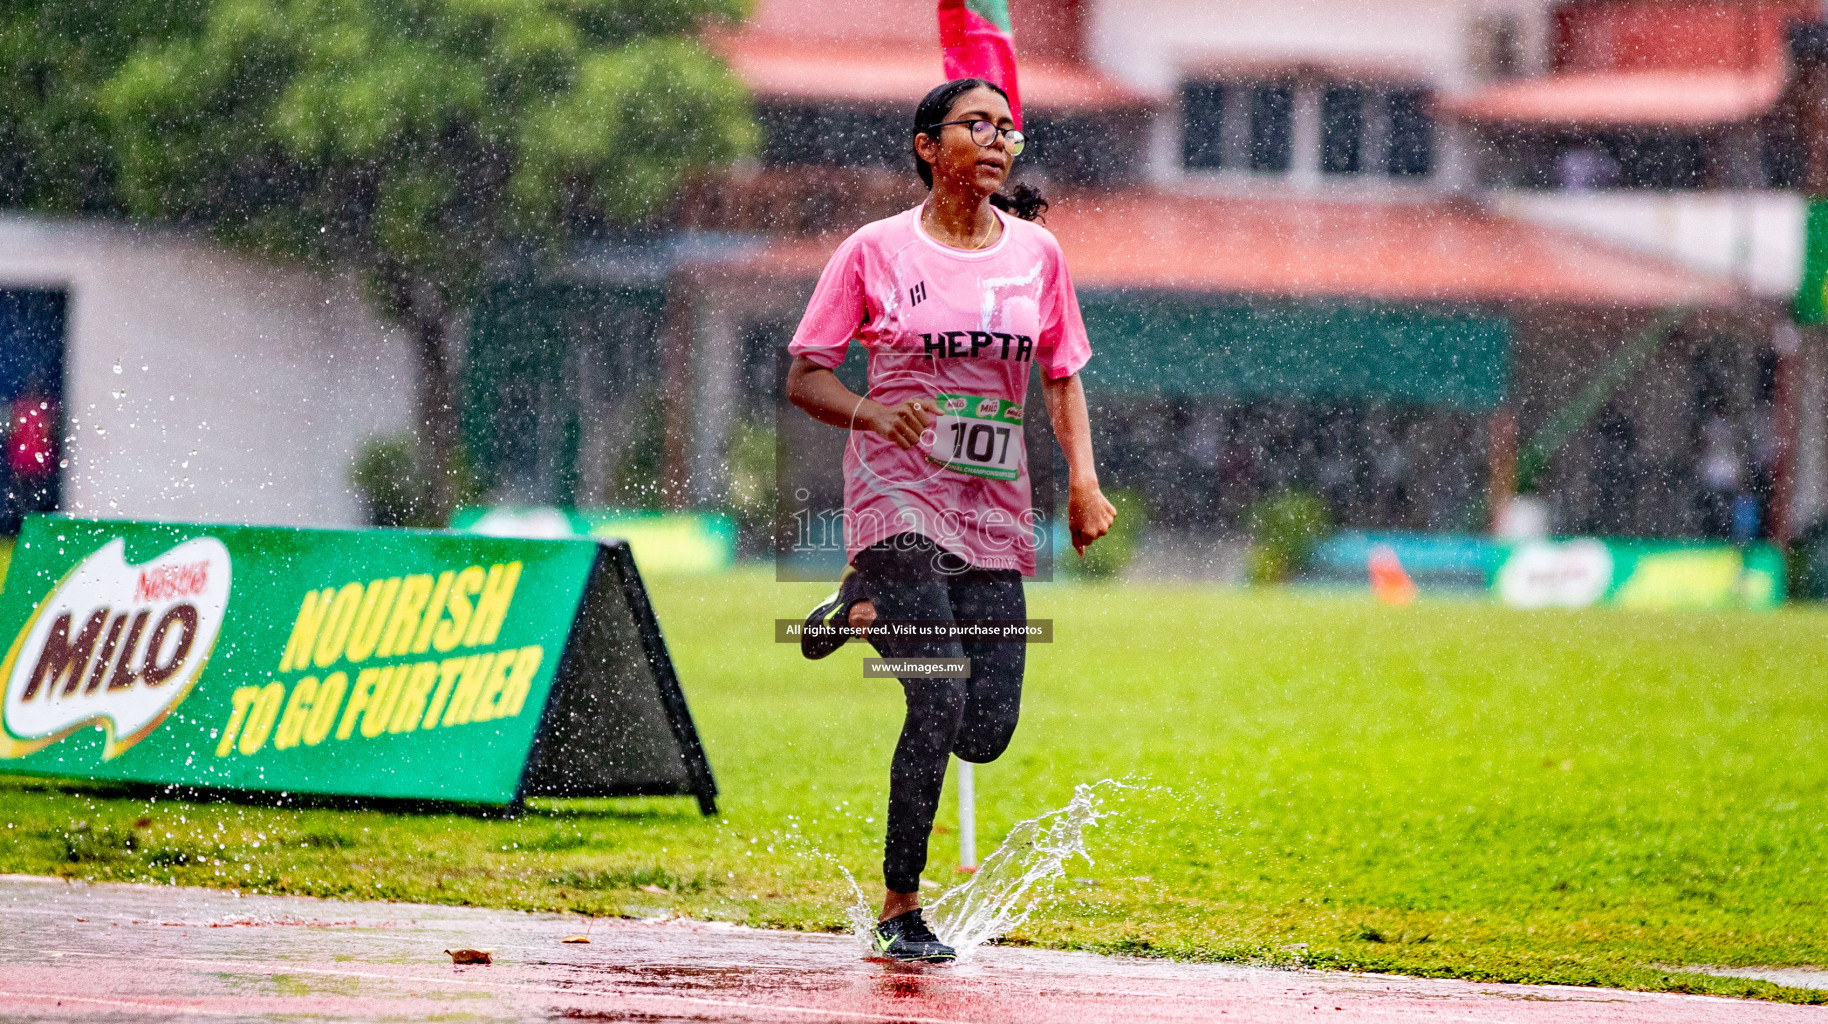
(123,1004)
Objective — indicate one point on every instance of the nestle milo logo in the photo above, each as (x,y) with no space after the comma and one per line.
(115,646)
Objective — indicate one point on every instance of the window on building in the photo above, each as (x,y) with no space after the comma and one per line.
(1071,148)
(31,400)
(1780,154)
(1660,161)
(1580,167)
(1342,130)
(1411,134)
(1203,125)
(1094,149)
(832,136)
(1634,160)
(1272,116)
(1369,130)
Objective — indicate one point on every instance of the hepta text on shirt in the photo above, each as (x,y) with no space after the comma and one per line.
(951,344)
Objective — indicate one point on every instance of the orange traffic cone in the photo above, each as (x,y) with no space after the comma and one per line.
(1390,584)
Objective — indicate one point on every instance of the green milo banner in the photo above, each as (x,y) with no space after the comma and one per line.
(1811,305)
(381,663)
(1644,574)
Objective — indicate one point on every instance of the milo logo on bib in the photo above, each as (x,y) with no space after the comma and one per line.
(115,646)
(978,435)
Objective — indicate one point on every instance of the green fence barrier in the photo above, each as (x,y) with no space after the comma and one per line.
(1647,574)
(381,663)
(665,542)
(1572,572)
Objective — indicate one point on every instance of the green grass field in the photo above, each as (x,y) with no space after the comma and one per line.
(1449,789)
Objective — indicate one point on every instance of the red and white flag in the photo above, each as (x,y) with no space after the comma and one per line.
(979,43)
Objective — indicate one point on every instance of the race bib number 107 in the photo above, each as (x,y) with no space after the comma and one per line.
(977,435)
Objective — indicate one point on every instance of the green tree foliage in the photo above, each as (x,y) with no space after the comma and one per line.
(413,141)
(55,57)
(1286,527)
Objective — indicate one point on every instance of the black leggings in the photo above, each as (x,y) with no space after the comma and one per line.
(908,577)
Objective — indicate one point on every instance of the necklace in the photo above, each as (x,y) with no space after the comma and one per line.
(975,244)
(972,243)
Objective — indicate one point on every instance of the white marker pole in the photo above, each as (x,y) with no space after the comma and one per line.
(967,817)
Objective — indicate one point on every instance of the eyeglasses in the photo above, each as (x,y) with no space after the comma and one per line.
(985,133)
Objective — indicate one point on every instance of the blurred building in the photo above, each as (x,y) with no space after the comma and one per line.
(150,375)
(1389,251)
(1369,248)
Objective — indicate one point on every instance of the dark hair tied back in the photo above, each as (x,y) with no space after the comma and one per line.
(1024,201)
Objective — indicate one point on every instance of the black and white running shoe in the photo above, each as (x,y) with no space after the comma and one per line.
(825,624)
(908,939)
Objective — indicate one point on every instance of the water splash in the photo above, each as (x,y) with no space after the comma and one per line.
(1003,892)
(860,913)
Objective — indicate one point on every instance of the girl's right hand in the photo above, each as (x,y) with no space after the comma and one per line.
(904,422)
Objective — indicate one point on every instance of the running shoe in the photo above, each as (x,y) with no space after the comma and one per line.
(908,939)
(831,614)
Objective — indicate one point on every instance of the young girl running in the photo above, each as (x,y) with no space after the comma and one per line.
(954,301)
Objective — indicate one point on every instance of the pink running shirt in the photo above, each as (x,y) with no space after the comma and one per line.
(963,325)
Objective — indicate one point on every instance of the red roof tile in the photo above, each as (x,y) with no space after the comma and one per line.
(1618,98)
(886,71)
(1300,248)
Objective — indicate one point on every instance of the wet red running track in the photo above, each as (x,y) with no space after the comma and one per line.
(148,953)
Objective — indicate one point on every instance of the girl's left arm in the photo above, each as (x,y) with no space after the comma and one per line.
(1088,514)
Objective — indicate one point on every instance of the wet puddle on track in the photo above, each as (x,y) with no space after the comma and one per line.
(152,953)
